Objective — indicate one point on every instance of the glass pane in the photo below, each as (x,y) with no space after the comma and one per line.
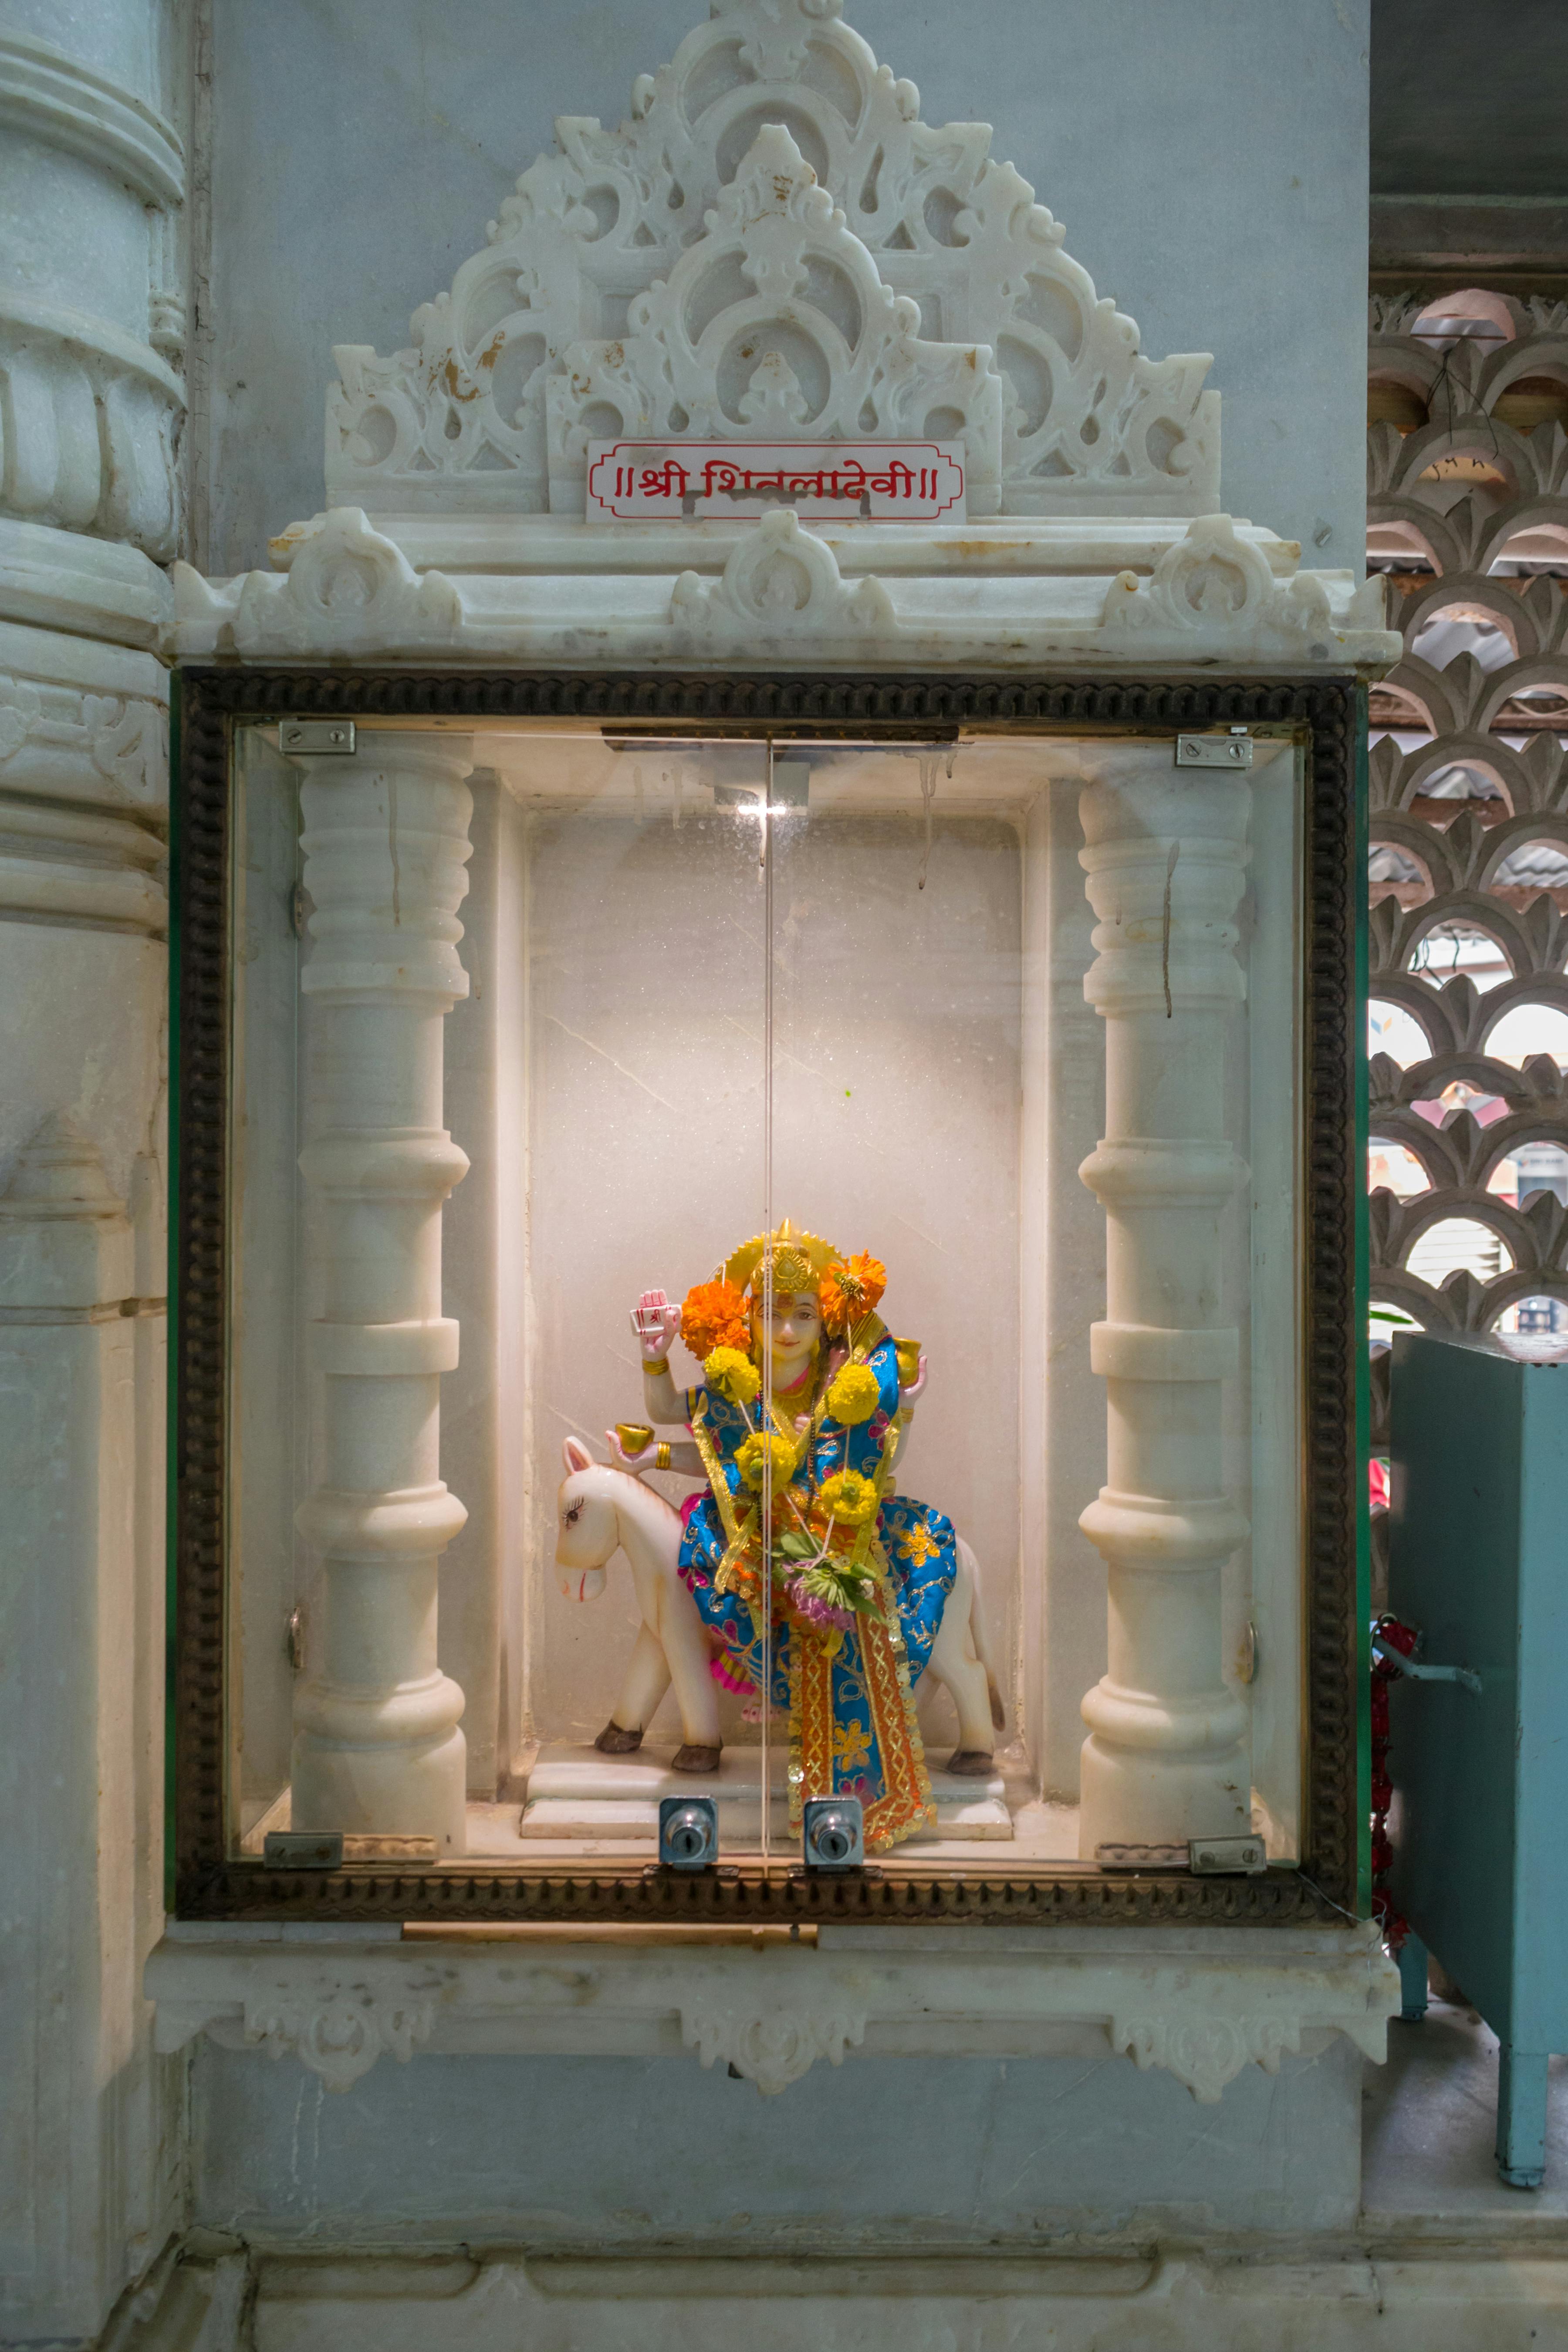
(565,1062)
(901,1111)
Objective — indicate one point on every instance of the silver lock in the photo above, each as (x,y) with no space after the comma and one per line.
(833,1830)
(688,1832)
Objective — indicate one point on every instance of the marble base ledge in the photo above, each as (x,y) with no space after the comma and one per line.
(1200,2003)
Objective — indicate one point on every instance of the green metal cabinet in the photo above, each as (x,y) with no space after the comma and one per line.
(1479,1749)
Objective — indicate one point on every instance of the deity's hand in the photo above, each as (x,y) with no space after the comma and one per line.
(908,1397)
(636,1463)
(657,1326)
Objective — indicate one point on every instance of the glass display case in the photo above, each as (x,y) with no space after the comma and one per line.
(786,1264)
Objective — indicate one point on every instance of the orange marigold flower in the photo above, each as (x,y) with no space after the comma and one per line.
(850,1290)
(714,1316)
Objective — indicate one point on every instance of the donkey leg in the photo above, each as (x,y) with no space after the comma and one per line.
(696,1693)
(956,1664)
(647,1679)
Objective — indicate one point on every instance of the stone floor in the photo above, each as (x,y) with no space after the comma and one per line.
(1430,2115)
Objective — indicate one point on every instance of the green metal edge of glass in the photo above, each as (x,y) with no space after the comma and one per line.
(1360,1307)
(171,1524)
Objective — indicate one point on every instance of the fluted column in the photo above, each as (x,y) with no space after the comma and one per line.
(1167,1756)
(91,188)
(376,1742)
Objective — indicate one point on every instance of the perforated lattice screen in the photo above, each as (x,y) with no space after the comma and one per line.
(1469,516)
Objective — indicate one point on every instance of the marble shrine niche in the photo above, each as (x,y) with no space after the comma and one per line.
(713,998)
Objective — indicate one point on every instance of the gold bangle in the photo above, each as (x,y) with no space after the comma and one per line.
(653,1366)
(661,1459)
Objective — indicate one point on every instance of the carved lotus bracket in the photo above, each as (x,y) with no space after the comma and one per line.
(781,580)
(347,591)
(1216,587)
(776,2049)
(341,2036)
(1205,2053)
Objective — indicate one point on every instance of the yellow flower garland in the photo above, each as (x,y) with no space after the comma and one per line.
(754,1452)
(732,1375)
(854,1395)
(848,1497)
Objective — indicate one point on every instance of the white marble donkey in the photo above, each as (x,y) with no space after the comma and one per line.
(602,1509)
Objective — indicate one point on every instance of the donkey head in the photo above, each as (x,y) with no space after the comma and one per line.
(587,1529)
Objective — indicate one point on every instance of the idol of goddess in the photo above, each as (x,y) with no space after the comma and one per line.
(820,1589)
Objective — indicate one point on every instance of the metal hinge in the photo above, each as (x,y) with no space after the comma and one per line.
(317,738)
(303,1849)
(1388,1657)
(1232,750)
(1219,1857)
(1209,1857)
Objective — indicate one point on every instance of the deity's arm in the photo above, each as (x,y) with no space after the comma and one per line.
(908,1398)
(681,1457)
(663,1402)
(655,1323)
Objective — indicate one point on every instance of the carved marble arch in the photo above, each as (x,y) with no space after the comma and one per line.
(772,325)
(1074,415)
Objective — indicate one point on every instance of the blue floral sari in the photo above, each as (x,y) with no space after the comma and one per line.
(848,1688)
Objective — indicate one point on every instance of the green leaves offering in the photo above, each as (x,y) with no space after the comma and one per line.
(841,1585)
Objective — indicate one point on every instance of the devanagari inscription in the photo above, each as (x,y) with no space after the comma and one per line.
(882,481)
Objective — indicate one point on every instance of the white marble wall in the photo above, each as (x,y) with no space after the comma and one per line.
(630,2153)
(91,178)
(359,147)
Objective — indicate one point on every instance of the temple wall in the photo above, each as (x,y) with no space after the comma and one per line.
(357,155)
(92,173)
(898,2154)
(1209,162)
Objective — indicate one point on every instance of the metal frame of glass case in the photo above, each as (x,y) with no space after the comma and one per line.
(207,1881)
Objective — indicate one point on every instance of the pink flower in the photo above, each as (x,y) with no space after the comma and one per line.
(817,1611)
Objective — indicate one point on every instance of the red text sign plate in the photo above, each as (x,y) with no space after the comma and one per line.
(886,481)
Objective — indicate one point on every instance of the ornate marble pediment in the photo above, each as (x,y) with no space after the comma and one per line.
(773,244)
(772,325)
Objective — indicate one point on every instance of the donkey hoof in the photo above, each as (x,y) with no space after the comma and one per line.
(695,1759)
(973,1763)
(615,1740)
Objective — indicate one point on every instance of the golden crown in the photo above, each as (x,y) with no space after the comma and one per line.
(798,1260)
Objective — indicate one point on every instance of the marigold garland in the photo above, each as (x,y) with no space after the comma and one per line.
(733,1374)
(755,1451)
(854,1395)
(714,1316)
(850,1290)
(849,1497)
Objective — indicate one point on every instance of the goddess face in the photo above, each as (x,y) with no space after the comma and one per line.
(792,1333)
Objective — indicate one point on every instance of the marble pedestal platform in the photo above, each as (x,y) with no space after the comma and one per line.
(577,1792)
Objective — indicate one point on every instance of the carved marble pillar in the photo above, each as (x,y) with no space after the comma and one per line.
(91,182)
(1167,1756)
(376,1742)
